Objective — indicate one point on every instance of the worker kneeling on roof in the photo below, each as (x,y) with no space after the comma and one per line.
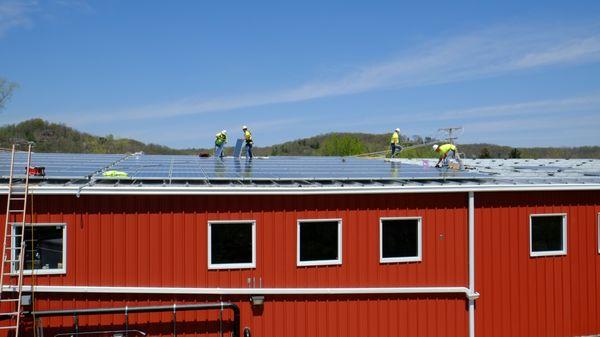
(220,140)
(395,142)
(445,151)
(249,142)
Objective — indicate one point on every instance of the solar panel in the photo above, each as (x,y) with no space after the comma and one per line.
(192,168)
(237,150)
(60,165)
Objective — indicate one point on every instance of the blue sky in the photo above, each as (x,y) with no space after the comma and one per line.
(174,73)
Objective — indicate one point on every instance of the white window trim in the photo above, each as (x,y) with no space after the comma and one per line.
(214,266)
(337,261)
(60,271)
(598,233)
(564,237)
(418,257)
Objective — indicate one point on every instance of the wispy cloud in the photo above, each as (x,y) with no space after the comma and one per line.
(561,121)
(542,111)
(83,5)
(571,105)
(551,122)
(491,52)
(15,14)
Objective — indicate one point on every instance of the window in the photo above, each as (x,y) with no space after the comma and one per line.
(231,244)
(548,234)
(319,242)
(45,248)
(400,239)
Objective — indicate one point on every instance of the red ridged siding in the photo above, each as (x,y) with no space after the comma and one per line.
(161,241)
(540,296)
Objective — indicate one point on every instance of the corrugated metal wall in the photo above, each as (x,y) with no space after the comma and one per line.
(161,241)
(541,296)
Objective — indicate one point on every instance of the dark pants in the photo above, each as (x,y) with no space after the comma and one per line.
(394,148)
(219,150)
(248,150)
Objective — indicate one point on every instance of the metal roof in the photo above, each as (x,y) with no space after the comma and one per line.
(173,174)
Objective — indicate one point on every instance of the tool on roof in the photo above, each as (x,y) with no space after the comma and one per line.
(114,173)
(37,171)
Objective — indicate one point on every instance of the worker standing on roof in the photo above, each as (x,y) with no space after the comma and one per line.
(395,142)
(445,151)
(220,141)
(249,142)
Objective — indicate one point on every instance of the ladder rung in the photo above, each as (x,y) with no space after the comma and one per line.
(11,261)
(9,300)
(11,248)
(8,327)
(15,210)
(17,199)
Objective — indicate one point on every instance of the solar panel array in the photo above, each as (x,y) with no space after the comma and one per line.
(141,167)
(60,165)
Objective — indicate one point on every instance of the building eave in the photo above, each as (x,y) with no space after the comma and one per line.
(321,190)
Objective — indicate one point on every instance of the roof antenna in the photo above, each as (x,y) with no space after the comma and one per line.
(451,133)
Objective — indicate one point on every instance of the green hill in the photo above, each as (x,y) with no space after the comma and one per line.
(53,137)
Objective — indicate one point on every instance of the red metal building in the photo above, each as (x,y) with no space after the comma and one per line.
(513,254)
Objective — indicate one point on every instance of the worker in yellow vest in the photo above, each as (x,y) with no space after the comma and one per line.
(395,142)
(249,142)
(445,151)
(220,141)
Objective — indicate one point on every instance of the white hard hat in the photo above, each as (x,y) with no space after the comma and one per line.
(435,147)
(224,131)
(397,130)
(244,127)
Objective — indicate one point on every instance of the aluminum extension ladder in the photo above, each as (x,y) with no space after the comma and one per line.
(13,244)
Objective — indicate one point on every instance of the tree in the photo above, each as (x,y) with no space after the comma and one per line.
(6,90)
(485,153)
(345,145)
(514,153)
(416,139)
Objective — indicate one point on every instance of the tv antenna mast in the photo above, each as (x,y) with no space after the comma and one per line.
(451,133)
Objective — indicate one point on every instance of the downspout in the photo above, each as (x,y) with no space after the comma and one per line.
(472,299)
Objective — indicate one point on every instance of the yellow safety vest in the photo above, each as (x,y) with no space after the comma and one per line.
(394,139)
(248,136)
(447,147)
(221,138)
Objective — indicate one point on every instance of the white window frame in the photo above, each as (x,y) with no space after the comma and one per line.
(337,261)
(598,233)
(57,271)
(418,257)
(564,236)
(213,266)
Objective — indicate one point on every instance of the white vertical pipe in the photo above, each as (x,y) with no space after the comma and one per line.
(472,263)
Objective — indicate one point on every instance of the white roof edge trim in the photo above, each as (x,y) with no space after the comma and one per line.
(62,190)
(247,291)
